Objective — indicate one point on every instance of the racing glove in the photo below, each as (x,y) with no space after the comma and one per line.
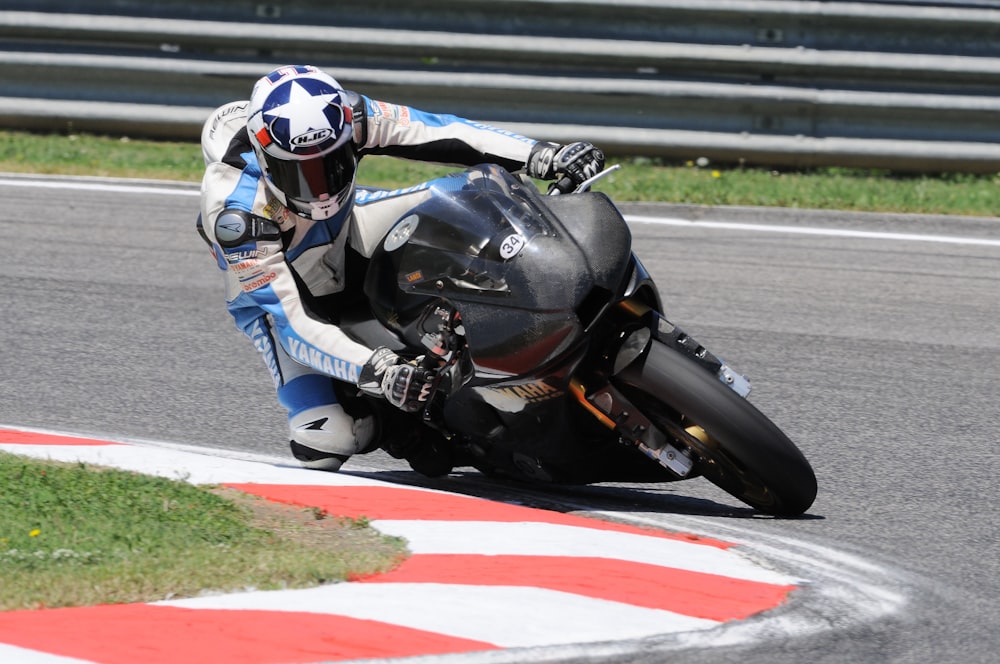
(405,385)
(577,161)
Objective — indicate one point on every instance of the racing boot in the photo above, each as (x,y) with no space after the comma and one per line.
(424,449)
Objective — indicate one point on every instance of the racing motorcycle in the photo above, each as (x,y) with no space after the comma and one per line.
(554,360)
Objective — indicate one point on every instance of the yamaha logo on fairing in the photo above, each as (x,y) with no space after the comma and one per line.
(311,137)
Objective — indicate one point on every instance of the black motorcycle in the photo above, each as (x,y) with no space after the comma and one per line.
(554,359)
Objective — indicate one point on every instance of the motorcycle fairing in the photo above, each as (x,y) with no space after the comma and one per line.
(527,273)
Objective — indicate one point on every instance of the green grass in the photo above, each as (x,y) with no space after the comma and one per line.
(641,179)
(84,154)
(72,534)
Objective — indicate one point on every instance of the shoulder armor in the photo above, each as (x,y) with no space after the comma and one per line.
(235,227)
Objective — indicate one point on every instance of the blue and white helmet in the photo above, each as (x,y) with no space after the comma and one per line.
(300,126)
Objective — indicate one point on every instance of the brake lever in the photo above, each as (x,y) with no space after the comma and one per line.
(585,185)
(558,188)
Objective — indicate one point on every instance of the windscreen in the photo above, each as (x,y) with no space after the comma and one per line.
(499,218)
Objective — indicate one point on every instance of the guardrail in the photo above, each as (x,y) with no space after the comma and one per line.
(777,82)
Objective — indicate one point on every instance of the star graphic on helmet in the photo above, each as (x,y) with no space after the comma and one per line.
(305,112)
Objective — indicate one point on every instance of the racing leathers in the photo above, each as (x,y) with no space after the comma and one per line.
(288,278)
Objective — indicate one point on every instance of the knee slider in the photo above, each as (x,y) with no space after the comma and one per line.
(323,438)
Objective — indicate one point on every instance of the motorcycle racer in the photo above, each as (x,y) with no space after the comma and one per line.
(291,231)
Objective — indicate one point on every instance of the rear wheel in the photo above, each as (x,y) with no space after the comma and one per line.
(740,450)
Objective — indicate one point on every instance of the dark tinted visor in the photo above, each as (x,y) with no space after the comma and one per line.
(310,179)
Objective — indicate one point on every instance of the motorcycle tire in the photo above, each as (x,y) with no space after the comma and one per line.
(739,449)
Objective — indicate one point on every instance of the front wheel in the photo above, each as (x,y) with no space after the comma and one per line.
(740,450)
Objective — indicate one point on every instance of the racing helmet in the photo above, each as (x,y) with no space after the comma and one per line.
(300,126)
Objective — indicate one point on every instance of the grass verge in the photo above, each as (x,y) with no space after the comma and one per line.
(74,534)
(695,182)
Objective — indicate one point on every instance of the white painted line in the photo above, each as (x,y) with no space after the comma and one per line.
(83,185)
(506,616)
(809,230)
(202,468)
(547,539)
(15,655)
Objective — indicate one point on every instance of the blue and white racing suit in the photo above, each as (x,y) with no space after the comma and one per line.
(281,269)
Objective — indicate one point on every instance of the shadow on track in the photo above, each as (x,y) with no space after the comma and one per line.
(659,498)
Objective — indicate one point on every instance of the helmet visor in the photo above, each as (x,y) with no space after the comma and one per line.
(314,179)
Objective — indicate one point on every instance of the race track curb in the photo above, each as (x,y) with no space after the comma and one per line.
(484,578)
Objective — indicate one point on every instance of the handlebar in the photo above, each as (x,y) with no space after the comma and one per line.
(565,185)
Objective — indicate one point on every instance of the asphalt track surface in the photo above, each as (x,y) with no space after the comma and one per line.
(873,340)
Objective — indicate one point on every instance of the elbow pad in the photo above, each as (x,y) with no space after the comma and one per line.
(234,228)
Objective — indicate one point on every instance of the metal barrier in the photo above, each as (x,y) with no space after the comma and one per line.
(776,82)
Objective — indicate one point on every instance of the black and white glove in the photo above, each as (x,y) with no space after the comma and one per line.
(405,385)
(578,161)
